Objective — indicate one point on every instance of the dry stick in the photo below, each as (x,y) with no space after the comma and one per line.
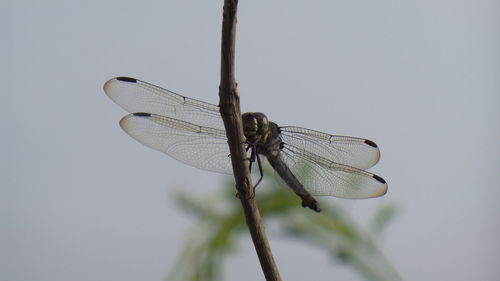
(230,111)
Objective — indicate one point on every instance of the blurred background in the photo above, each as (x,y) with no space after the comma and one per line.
(83,201)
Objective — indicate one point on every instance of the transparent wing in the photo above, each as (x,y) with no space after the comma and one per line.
(350,151)
(138,96)
(321,176)
(201,147)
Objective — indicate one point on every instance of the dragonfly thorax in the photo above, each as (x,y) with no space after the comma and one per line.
(255,127)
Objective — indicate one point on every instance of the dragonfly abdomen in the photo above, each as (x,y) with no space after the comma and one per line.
(292,182)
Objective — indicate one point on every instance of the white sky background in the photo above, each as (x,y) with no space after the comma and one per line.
(83,201)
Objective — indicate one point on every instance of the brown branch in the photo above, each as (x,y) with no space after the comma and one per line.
(230,110)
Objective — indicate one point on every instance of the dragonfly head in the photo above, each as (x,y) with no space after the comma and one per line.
(255,127)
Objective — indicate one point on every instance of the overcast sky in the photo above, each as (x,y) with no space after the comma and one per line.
(83,201)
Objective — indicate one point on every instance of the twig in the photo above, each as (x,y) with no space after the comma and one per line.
(231,114)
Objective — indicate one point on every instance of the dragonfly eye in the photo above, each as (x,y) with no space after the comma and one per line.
(255,127)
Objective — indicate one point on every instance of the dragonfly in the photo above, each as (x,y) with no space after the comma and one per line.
(309,162)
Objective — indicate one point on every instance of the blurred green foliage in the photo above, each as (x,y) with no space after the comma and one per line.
(220,221)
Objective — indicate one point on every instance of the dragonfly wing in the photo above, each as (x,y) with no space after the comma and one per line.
(350,151)
(320,176)
(135,95)
(201,147)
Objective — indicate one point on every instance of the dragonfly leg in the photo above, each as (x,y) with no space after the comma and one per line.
(252,157)
(261,175)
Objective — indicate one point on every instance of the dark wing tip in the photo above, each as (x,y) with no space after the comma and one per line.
(370,143)
(379,179)
(142,114)
(126,79)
